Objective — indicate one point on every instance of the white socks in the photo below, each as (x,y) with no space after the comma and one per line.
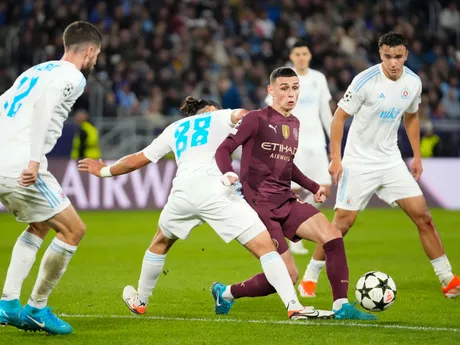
(53,265)
(152,266)
(22,260)
(338,303)
(313,270)
(443,269)
(278,276)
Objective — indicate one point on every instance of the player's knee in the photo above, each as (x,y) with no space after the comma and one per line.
(424,221)
(79,231)
(343,221)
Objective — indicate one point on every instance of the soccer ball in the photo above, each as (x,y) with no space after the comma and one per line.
(375,291)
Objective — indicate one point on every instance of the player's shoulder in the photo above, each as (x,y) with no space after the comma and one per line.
(66,76)
(316,74)
(258,112)
(363,78)
(411,76)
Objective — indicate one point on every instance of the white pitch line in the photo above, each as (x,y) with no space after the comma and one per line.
(270,322)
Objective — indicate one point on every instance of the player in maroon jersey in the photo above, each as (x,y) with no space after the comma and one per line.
(269,137)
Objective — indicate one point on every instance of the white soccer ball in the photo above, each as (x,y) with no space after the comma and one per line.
(375,291)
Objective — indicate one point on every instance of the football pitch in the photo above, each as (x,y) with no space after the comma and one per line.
(181,308)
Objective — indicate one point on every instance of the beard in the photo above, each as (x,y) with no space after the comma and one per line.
(86,70)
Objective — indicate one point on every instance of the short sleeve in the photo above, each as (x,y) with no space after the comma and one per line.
(353,98)
(160,146)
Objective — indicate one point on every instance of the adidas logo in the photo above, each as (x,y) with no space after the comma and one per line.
(381,96)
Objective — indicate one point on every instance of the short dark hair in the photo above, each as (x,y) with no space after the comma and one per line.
(282,72)
(81,32)
(299,44)
(192,106)
(393,39)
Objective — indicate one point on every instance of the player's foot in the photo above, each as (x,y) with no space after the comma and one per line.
(221,306)
(307,313)
(298,248)
(307,288)
(130,297)
(349,312)
(453,289)
(43,320)
(9,313)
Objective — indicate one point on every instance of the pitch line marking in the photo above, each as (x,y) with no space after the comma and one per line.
(270,322)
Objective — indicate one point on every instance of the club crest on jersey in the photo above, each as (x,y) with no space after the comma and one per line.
(295,131)
(286,131)
(405,93)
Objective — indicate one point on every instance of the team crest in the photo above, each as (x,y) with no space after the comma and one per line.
(296,133)
(405,93)
(286,131)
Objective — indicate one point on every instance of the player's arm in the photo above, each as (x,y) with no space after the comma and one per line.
(40,122)
(349,105)
(337,126)
(152,153)
(412,125)
(237,115)
(303,181)
(246,130)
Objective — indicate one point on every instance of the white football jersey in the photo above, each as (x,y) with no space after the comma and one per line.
(312,109)
(194,140)
(61,83)
(378,105)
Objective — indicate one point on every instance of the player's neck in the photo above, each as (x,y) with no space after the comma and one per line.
(284,112)
(302,71)
(73,59)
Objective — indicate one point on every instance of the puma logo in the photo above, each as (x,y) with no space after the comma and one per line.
(272,127)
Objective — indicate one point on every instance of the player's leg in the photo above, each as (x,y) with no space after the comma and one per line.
(249,231)
(22,260)
(343,220)
(318,229)
(152,266)
(177,219)
(44,206)
(400,188)
(70,230)
(354,192)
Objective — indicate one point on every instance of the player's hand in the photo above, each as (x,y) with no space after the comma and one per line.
(30,175)
(91,166)
(320,195)
(416,168)
(229,179)
(336,169)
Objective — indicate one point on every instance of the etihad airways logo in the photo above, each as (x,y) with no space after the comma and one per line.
(279,151)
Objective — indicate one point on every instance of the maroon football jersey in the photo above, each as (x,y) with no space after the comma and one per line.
(270,143)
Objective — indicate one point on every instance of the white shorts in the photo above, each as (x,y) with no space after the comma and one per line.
(35,203)
(315,165)
(209,201)
(356,187)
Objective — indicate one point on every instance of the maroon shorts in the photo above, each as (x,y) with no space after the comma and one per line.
(282,222)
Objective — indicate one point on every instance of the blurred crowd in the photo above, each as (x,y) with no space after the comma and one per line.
(156,52)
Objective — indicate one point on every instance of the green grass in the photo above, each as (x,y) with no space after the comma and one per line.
(110,257)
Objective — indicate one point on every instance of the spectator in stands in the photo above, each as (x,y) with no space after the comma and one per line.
(86,139)
(451,105)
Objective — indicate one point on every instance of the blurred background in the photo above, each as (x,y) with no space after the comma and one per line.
(157,52)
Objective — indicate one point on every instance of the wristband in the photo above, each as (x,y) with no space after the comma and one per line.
(105,172)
